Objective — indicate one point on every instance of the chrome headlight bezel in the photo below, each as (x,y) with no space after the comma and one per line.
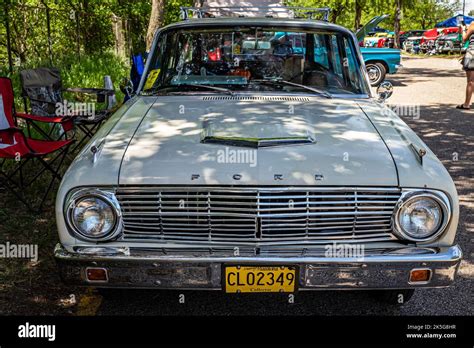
(107,196)
(438,197)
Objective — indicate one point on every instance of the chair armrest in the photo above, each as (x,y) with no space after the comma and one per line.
(7,136)
(45,119)
(96,91)
(101,93)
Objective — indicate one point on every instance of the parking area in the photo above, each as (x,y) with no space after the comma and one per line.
(426,91)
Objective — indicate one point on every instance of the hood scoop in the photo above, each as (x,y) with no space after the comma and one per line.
(251,133)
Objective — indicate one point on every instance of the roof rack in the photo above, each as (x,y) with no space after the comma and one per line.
(256,11)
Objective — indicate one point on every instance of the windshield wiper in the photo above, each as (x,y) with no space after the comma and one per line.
(190,85)
(277,81)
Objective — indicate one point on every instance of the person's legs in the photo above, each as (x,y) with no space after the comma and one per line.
(469,88)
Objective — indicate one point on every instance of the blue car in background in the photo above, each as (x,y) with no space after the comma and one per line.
(378,61)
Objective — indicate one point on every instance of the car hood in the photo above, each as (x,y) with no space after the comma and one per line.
(332,142)
(369,26)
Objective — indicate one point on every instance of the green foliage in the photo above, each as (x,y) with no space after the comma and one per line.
(84,27)
(83,39)
(416,14)
(425,14)
(88,71)
(76,26)
(172,9)
(91,69)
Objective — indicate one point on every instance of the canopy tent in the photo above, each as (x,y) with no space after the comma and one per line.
(452,22)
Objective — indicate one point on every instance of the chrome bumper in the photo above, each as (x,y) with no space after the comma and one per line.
(152,269)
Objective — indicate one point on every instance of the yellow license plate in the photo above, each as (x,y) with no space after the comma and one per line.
(260,279)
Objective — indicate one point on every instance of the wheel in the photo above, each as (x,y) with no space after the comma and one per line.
(376,72)
(394,297)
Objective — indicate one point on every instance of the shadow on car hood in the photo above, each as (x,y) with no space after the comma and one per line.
(169,148)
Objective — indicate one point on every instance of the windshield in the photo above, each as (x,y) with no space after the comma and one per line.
(254,59)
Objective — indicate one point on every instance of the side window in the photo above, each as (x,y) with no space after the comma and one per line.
(335,56)
(298,42)
(351,65)
(320,51)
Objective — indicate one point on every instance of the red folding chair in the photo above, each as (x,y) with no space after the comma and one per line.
(17,151)
(66,123)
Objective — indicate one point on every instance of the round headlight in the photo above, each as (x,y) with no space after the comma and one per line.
(421,217)
(93,216)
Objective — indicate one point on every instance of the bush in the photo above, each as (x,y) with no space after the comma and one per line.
(86,71)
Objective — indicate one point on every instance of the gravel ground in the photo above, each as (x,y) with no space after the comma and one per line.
(435,85)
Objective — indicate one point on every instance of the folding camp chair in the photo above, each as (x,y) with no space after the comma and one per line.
(130,86)
(18,151)
(43,88)
(42,85)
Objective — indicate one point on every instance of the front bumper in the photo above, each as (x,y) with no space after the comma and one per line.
(138,268)
(398,67)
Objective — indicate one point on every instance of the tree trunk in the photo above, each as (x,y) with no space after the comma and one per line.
(334,15)
(396,24)
(117,28)
(358,14)
(156,21)
(337,11)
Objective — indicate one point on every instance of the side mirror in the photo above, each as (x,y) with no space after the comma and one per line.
(126,86)
(384,91)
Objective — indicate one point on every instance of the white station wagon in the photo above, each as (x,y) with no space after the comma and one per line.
(255,158)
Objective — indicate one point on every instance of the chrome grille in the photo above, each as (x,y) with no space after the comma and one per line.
(257,216)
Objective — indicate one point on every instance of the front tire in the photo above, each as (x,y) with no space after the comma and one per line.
(394,297)
(376,72)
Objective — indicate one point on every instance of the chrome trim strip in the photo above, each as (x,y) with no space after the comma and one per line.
(414,254)
(252,189)
(146,269)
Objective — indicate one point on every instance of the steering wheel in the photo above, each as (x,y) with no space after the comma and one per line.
(330,76)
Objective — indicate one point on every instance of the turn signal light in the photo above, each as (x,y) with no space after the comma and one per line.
(96,274)
(420,275)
